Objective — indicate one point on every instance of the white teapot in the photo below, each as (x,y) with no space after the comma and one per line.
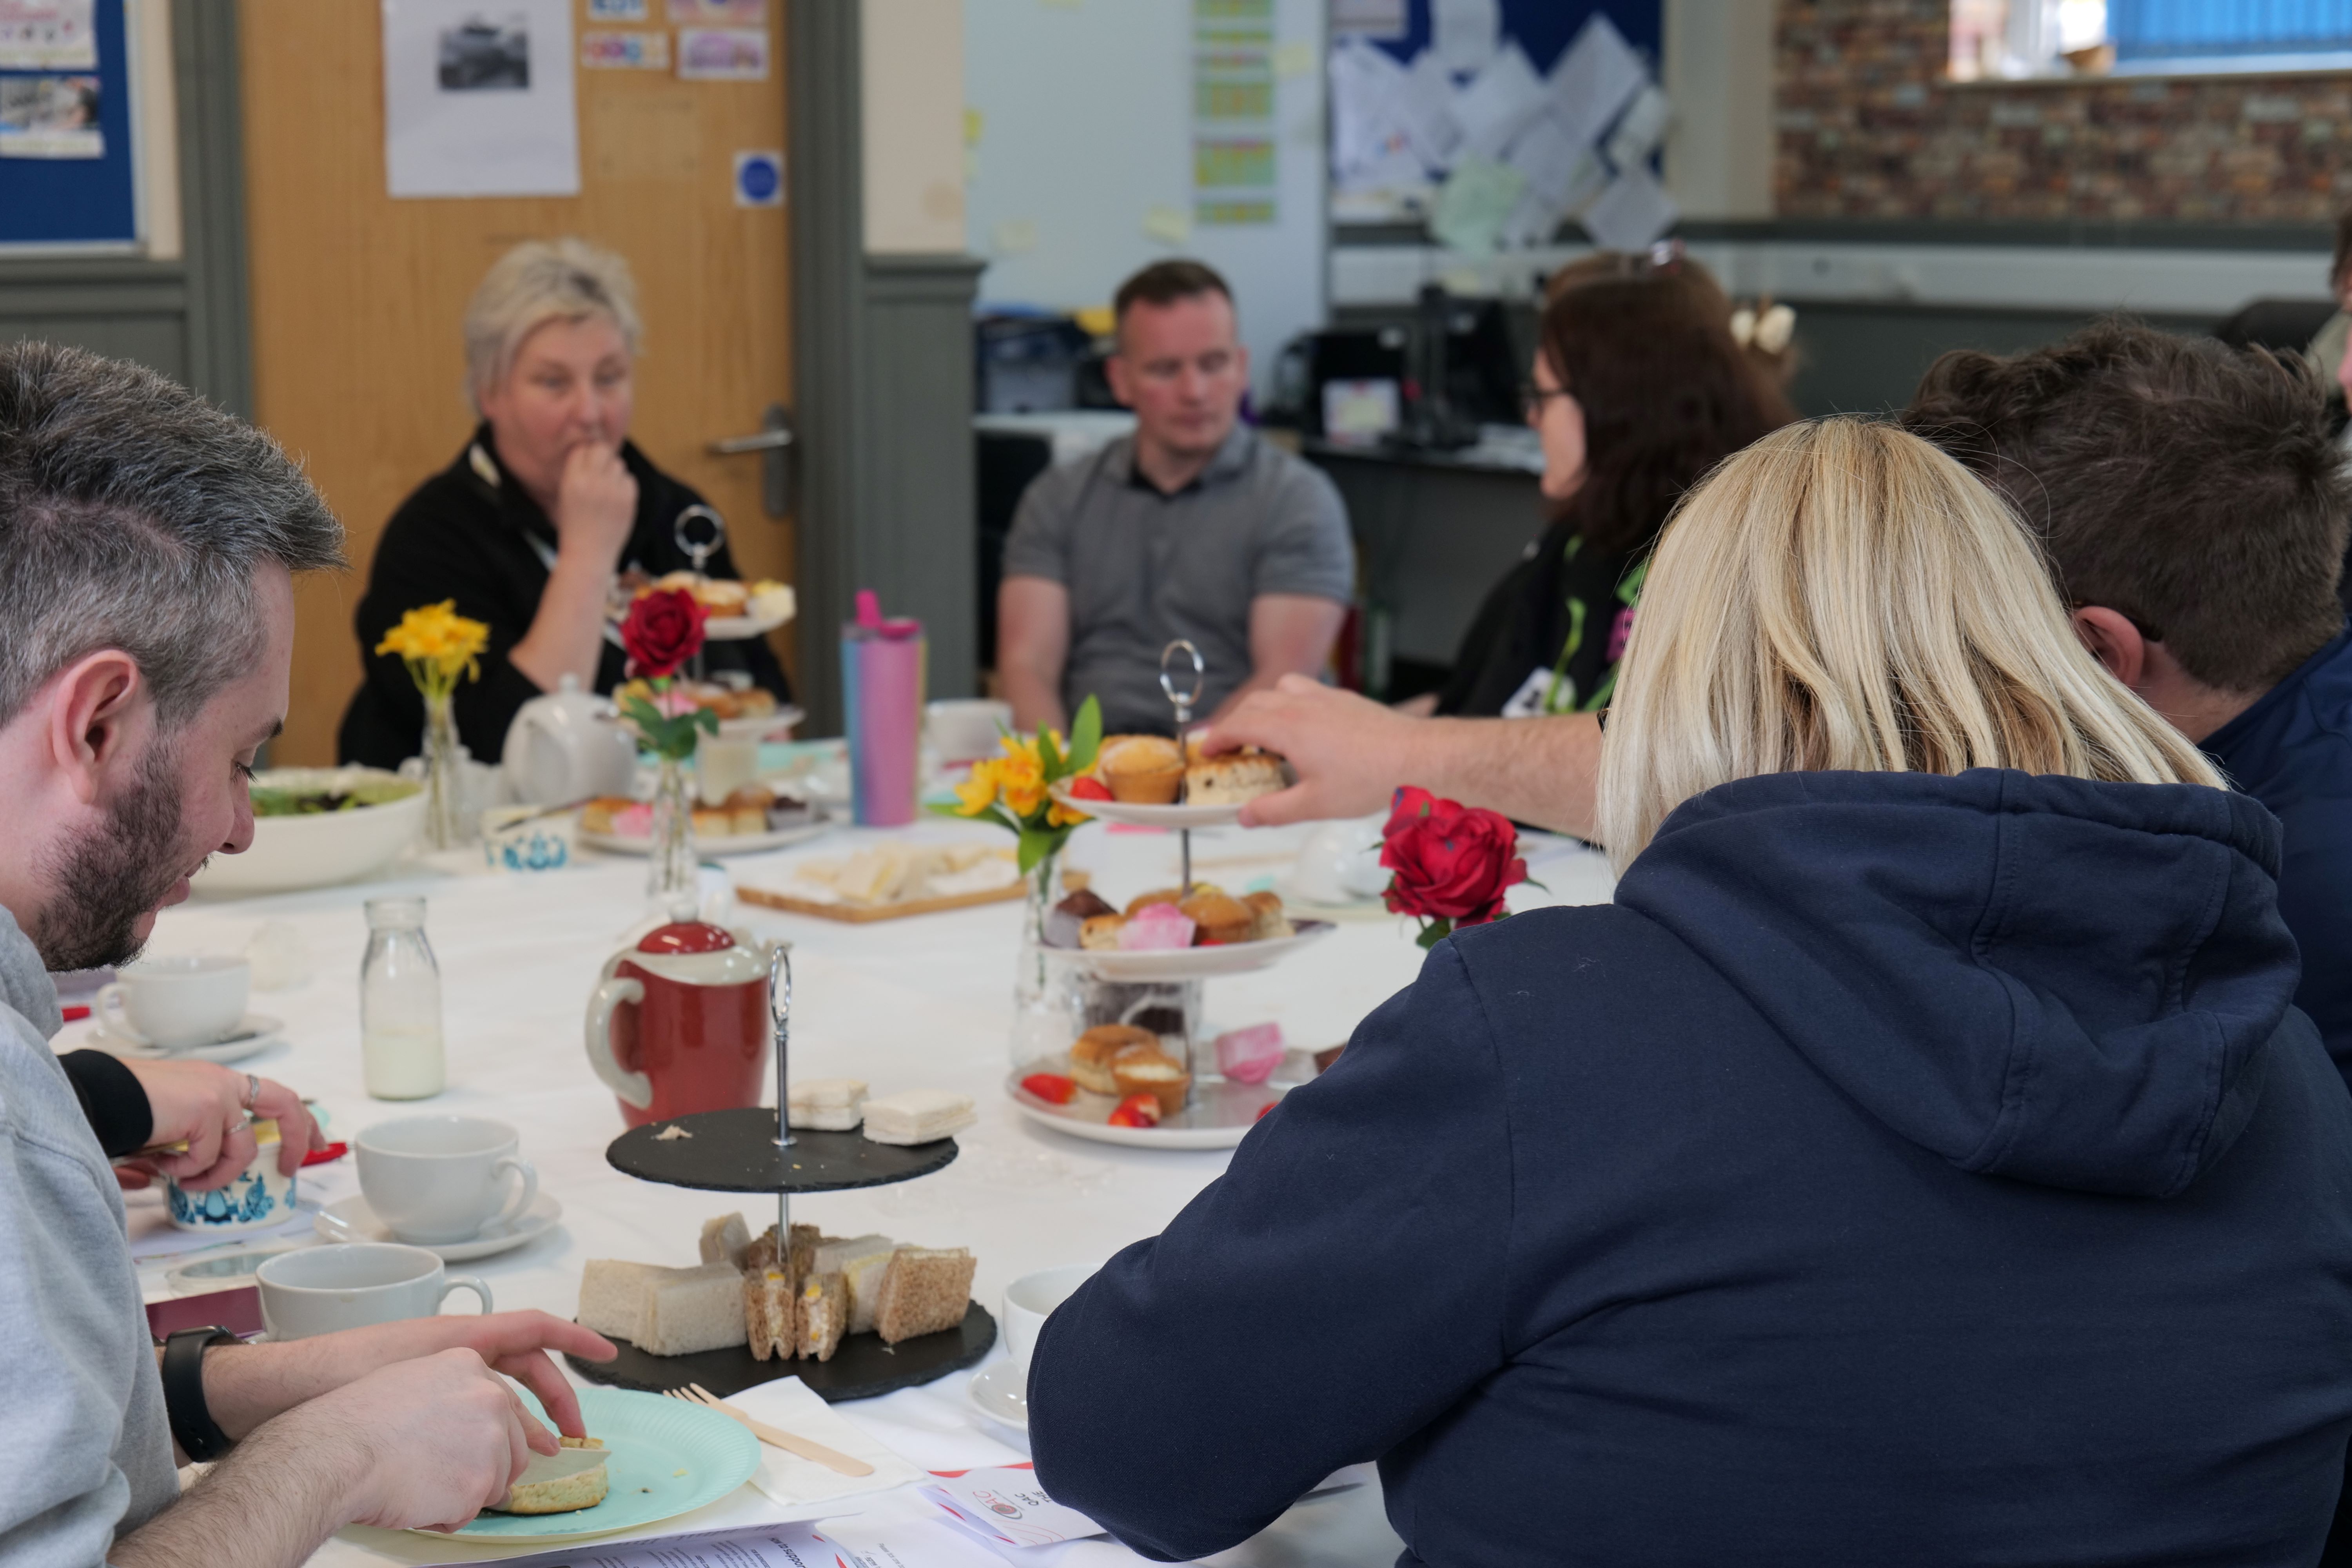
(564,747)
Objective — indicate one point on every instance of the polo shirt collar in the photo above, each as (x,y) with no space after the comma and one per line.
(1231,457)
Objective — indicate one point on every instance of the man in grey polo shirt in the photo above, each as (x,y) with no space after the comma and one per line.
(1192,527)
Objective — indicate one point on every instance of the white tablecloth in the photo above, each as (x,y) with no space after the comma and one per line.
(919,1002)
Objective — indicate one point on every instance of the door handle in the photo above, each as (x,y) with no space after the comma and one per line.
(773,443)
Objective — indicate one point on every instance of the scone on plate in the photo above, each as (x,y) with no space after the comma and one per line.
(565,1481)
(1268,920)
(1090,1056)
(1218,919)
(1099,934)
(1233,778)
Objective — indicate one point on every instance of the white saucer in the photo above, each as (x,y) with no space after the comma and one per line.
(351,1219)
(1001,1390)
(255,1034)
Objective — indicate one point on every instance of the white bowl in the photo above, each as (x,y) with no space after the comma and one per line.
(292,852)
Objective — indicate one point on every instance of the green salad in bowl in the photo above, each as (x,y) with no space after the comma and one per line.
(292,800)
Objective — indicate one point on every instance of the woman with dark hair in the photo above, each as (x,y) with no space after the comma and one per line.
(1638,390)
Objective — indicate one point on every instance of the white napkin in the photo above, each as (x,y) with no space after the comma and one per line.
(792,1480)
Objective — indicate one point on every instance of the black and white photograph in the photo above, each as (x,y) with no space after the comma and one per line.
(484,53)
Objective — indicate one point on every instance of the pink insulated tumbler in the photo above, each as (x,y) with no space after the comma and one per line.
(882,694)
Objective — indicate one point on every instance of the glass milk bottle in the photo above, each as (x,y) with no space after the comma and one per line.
(399,1005)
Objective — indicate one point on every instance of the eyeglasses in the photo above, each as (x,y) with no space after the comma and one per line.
(1532,399)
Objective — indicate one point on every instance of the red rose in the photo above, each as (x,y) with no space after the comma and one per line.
(1450,863)
(664,629)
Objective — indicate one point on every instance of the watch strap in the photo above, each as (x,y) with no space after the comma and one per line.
(193,1426)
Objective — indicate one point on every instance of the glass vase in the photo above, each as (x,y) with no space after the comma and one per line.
(1044,1013)
(444,817)
(670,884)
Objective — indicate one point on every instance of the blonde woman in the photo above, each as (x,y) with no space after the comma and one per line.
(1917,1162)
(546,504)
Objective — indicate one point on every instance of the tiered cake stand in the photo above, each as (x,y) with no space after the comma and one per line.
(755,1150)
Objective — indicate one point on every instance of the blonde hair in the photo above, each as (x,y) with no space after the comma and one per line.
(1844,596)
(539,281)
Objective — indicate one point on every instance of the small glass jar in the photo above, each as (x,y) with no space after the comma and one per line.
(401,1052)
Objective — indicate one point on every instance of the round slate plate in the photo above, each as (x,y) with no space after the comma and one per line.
(652,1440)
(735,1151)
(863,1368)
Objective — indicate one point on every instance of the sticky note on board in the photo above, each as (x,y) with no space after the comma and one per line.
(1167,223)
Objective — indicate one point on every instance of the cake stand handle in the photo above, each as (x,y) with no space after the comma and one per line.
(780,1014)
(1182,702)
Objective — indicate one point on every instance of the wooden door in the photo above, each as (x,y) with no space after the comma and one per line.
(359,367)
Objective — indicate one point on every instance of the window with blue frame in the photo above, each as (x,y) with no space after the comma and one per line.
(2152,31)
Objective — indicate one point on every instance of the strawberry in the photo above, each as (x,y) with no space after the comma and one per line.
(1051,1088)
(1137,1111)
(1086,786)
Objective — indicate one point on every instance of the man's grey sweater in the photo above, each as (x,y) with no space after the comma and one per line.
(85,1450)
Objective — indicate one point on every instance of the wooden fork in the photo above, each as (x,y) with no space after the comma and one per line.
(817,1453)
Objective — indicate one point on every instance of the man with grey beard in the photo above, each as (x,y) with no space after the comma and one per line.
(148,545)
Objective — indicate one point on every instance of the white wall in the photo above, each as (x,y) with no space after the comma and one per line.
(912,95)
(1086,127)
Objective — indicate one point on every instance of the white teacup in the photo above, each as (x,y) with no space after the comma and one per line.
(176,1002)
(1031,1300)
(324,1289)
(440,1178)
(964,728)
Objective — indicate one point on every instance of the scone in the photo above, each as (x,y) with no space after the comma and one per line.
(1090,1056)
(597,815)
(1099,934)
(1148,1070)
(571,1478)
(1267,921)
(1142,770)
(1218,919)
(1232,779)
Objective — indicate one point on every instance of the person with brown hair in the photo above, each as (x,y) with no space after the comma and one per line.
(2195,514)
(1637,390)
(1193,527)
(1916,1161)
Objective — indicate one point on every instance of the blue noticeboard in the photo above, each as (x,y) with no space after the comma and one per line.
(80,201)
(1545,27)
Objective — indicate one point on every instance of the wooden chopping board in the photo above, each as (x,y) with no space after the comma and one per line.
(866,914)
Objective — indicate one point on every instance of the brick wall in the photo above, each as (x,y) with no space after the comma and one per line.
(1868,129)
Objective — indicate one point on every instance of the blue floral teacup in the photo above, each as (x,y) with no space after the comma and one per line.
(519,838)
(258,1198)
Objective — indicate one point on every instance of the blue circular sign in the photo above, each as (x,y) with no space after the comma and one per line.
(759,179)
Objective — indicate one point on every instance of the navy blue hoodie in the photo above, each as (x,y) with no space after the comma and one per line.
(1904,1169)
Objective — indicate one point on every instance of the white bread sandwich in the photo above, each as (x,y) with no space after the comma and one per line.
(726,1239)
(827,1104)
(917,1116)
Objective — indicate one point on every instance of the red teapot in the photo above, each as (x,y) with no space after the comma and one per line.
(679,1023)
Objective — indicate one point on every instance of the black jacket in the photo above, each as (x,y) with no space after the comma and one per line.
(1902,1170)
(460,537)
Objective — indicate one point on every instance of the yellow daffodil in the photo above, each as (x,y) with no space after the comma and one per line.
(438,644)
(977,791)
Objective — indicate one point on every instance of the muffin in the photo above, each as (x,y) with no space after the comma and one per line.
(1148,1070)
(1142,770)
(1218,919)
(1090,1057)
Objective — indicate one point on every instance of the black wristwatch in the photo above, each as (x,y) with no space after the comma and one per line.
(193,1426)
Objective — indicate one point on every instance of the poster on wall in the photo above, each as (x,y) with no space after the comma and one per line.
(50,117)
(1233,145)
(478,99)
(47,34)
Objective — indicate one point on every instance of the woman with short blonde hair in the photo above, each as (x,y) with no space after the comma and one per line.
(1844,596)
(1918,1161)
(548,503)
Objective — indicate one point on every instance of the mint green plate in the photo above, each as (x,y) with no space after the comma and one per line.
(652,1440)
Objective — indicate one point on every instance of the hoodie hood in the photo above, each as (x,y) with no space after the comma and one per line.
(25,987)
(2042,978)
